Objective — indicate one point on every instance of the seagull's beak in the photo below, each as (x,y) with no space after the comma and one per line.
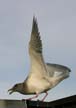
(11,91)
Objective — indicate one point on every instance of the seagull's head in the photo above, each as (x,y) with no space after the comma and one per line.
(15,88)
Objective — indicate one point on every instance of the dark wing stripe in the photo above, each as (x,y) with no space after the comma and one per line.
(35,41)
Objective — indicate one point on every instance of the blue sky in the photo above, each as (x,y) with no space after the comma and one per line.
(57,26)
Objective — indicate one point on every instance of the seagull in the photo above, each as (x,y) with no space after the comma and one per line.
(42,76)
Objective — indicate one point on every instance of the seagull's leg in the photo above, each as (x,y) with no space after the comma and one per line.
(45,96)
(33,97)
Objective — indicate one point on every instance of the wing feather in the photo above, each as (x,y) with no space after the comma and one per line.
(35,41)
(35,52)
(56,69)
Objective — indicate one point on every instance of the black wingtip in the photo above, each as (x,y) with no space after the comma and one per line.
(34,19)
(69,69)
(34,25)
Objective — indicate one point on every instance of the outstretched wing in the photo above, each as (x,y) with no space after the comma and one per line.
(35,52)
(35,43)
(54,70)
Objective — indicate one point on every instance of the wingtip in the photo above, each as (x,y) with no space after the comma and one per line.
(34,20)
(34,25)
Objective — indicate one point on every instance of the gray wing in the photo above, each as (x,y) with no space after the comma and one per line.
(56,69)
(35,52)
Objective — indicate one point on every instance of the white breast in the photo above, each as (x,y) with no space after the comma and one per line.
(37,85)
